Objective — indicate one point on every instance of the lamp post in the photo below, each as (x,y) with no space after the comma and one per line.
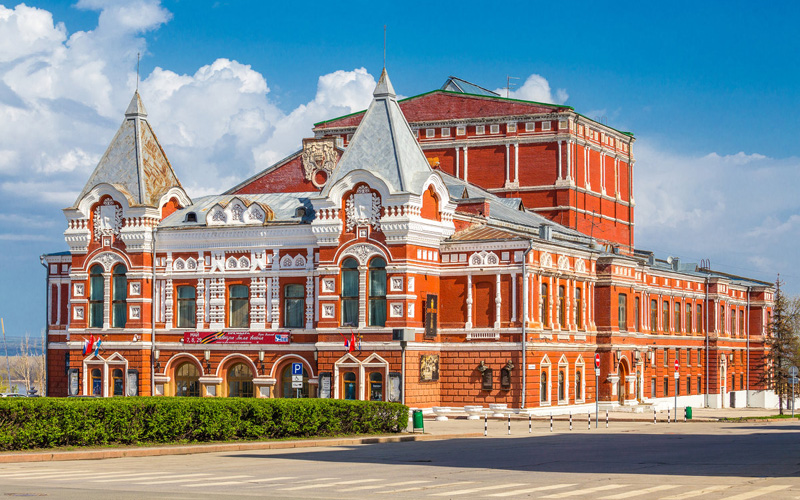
(677,381)
(596,390)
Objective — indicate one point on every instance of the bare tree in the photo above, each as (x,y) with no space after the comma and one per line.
(782,344)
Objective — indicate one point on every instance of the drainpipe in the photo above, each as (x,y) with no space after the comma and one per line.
(525,321)
(46,343)
(153,321)
(747,350)
(403,345)
(706,319)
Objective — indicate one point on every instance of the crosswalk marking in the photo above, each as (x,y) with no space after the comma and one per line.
(45,474)
(697,493)
(458,483)
(186,478)
(267,479)
(336,483)
(22,473)
(759,492)
(585,491)
(475,490)
(136,476)
(218,483)
(636,493)
(377,486)
(531,490)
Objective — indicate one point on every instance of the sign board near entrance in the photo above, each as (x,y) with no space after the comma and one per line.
(297,369)
(597,361)
(236,337)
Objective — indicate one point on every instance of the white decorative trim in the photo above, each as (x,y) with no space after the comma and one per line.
(484,258)
(135,312)
(77,290)
(107,219)
(363,208)
(396,310)
(328,311)
(410,284)
(396,284)
(328,285)
(77,313)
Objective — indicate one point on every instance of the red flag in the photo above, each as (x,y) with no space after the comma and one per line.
(91,344)
(352,346)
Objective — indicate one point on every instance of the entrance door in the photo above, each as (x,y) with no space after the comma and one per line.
(349,379)
(639,386)
(623,374)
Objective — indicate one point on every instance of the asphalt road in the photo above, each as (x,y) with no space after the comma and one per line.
(628,461)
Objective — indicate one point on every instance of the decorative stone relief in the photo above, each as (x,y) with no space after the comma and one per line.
(328,311)
(77,313)
(328,285)
(244,263)
(191,264)
(179,265)
(77,290)
(238,211)
(580,266)
(108,260)
(107,219)
(363,252)
(136,312)
(396,284)
(411,310)
(563,263)
(363,208)
(546,260)
(287,262)
(319,157)
(396,310)
(484,258)
(231,263)
(410,283)
(310,302)
(136,288)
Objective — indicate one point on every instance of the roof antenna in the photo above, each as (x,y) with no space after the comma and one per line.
(509,84)
(384,46)
(137,71)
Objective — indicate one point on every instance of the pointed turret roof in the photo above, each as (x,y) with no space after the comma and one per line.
(135,162)
(385,145)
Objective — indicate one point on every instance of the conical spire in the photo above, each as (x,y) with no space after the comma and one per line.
(136,108)
(384,87)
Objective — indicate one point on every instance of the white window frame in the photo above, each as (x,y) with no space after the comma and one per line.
(339,142)
(511,127)
(446,132)
(580,366)
(546,125)
(462,130)
(563,364)
(494,129)
(430,133)
(530,126)
(480,129)
(545,366)
(563,124)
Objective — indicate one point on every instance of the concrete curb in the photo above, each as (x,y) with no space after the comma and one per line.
(56,456)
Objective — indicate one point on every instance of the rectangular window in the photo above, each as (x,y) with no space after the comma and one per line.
(562,124)
(688,384)
(119,313)
(545,125)
(494,129)
(543,300)
(666,386)
(238,306)
(293,305)
(653,315)
(562,314)
(677,316)
(480,129)
(636,306)
(350,293)
(187,310)
(96,291)
(678,386)
(430,132)
(699,384)
(530,126)
(446,132)
(377,292)
(666,357)
(653,387)
(689,328)
(665,316)
(623,312)
(578,307)
(461,130)
(700,326)
(511,127)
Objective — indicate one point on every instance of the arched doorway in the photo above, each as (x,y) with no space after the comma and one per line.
(240,381)
(376,386)
(349,385)
(187,380)
(97,382)
(621,386)
(117,382)
(287,391)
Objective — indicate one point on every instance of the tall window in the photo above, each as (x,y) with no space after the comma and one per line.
(375,386)
(741,323)
(653,316)
(689,328)
(117,382)
(119,314)
(187,310)
(543,392)
(665,316)
(578,385)
(562,312)
(544,302)
(349,385)
(677,316)
(187,380)
(666,386)
(636,312)
(733,321)
(578,307)
(97,382)
(238,307)
(622,312)
(700,326)
(721,327)
(240,381)
(377,292)
(561,385)
(699,384)
(350,292)
(293,306)
(688,384)
(96,292)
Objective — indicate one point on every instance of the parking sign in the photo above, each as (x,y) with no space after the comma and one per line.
(297,368)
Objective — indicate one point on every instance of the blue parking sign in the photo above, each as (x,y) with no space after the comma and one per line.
(297,368)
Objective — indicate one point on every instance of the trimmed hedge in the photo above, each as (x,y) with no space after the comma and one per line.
(51,422)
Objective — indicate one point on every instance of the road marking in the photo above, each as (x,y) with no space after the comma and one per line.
(61,476)
(135,476)
(531,490)
(265,479)
(636,493)
(586,490)
(459,483)
(309,486)
(474,490)
(187,478)
(219,483)
(21,473)
(376,486)
(697,493)
(759,492)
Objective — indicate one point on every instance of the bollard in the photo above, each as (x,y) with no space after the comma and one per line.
(684,415)
(654,416)
(551,422)
(589,415)
(485,424)
(667,415)
(509,424)
(570,420)
(530,423)
(606,419)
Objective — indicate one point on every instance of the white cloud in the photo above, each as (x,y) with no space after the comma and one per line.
(536,88)
(739,210)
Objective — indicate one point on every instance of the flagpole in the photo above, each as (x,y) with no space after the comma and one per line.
(8,367)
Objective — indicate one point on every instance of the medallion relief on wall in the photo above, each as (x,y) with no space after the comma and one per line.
(107,219)
(319,158)
(363,208)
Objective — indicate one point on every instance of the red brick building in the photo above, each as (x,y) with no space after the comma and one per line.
(476,249)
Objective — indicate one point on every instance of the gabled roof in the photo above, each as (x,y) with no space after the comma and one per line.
(454,84)
(135,162)
(385,145)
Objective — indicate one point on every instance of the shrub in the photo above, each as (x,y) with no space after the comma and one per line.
(51,422)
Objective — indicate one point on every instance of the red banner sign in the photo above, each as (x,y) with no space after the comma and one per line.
(236,337)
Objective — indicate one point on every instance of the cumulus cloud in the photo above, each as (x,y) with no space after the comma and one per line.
(536,88)
(739,210)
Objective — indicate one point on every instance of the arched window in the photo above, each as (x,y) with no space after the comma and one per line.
(653,315)
(238,307)
(544,299)
(562,312)
(721,328)
(677,316)
(350,292)
(187,310)
(688,316)
(117,382)
(561,385)
(96,295)
(349,379)
(376,386)
(623,312)
(636,312)
(240,381)
(293,305)
(665,316)
(578,385)
(700,326)
(578,307)
(187,380)
(97,382)
(543,392)
(287,391)
(119,315)
(377,292)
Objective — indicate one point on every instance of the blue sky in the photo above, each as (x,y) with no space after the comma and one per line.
(708,88)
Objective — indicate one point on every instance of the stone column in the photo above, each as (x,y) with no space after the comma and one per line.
(468,323)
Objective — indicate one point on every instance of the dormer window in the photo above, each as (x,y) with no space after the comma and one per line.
(480,129)
(300,212)
(191,217)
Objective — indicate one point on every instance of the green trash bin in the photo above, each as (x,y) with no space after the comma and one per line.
(688,411)
(417,422)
